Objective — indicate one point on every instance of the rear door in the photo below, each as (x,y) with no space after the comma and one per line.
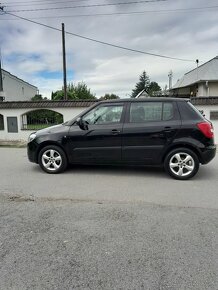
(150,126)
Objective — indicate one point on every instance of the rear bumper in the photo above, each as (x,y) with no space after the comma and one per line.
(208,154)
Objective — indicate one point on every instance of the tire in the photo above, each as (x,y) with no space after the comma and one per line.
(52,159)
(181,163)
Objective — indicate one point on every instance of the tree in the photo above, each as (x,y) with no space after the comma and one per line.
(78,91)
(38,98)
(143,83)
(109,97)
(153,88)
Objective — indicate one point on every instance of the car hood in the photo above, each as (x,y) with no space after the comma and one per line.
(53,129)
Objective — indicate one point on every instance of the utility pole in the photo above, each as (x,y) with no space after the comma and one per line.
(64,62)
(1,79)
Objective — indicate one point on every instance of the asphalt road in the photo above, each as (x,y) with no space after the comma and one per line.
(106,228)
(22,178)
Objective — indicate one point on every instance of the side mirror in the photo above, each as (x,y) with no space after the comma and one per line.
(82,124)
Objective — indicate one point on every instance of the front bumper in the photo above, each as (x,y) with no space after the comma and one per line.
(32,152)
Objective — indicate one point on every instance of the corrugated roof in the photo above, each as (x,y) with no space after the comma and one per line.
(47,104)
(88,103)
(205,72)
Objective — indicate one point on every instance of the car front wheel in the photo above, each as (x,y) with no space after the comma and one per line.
(181,163)
(52,159)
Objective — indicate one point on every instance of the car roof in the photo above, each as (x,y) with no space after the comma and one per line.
(149,99)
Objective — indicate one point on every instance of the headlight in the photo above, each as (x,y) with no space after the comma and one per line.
(31,137)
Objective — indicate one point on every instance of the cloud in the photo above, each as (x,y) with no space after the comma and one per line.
(29,49)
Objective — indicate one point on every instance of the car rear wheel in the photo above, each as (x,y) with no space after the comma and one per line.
(181,163)
(52,159)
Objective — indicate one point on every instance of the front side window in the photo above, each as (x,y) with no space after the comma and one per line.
(104,114)
(141,112)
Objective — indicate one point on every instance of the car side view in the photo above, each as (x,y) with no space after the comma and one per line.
(167,132)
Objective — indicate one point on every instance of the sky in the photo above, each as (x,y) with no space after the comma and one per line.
(178,29)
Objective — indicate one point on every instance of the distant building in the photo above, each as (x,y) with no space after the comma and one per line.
(199,82)
(14,89)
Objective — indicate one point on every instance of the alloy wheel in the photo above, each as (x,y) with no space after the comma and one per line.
(182,164)
(51,160)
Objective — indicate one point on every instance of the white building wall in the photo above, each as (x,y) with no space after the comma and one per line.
(16,89)
(207,89)
(22,135)
(213,89)
(68,114)
(202,90)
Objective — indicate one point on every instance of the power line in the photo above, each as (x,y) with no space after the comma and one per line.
(42,1)
(101,42)
(182,10)
(45,2)
(87,6)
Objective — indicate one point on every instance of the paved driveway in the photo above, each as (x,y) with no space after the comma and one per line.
(106,228)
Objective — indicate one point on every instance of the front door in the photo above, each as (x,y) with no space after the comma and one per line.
(100,141)
(12,125)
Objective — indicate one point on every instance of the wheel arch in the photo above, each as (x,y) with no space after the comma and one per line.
(183,145)
(47,143)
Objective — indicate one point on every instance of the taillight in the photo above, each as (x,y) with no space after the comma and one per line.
(206,128)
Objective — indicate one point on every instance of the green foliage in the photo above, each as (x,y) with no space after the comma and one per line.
(153,88)
(109,97)
(38,98)
(44,117)
(144,83)
(78,91)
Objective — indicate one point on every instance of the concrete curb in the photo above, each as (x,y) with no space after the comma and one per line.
(13,144)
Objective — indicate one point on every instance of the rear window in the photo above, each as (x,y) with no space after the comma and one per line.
(189,112)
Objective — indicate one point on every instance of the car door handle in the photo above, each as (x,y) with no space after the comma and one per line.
(115,132)
(168,129)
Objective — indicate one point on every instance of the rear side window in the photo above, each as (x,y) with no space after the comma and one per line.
(141,112)
(189,112)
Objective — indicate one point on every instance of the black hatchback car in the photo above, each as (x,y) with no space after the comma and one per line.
(167,132)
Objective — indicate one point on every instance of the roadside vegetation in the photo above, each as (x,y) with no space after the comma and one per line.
(40,119)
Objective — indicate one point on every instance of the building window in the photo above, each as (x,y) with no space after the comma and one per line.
(2,127)
(213,115)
